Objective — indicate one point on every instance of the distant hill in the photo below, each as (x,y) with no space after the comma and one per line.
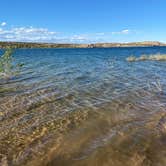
(95,45)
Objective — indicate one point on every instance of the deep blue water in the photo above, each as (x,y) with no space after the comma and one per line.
(76,106)
(87,69)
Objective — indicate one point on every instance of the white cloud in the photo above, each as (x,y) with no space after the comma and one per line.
(123,32)
(100,34)
(79,38)
(27,34)
(33,34)
(3,24)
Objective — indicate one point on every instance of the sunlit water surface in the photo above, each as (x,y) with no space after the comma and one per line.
(84,107)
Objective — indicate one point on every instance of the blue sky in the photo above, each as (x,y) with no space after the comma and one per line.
(83,21)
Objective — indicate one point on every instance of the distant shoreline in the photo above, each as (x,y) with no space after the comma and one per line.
(68,45)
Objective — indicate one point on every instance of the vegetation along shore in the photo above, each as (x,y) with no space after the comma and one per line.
(67,45)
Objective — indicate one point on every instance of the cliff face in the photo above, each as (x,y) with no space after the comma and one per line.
(95,45)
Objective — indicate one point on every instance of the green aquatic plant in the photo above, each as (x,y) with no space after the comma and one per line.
(7,65)
(153,57)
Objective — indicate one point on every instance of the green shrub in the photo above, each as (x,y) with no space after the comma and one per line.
(7,65)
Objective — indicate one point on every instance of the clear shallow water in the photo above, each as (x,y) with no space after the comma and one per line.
(84,107)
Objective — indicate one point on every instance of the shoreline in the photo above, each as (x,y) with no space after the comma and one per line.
(71,45)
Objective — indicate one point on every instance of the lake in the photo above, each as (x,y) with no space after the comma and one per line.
(84,107)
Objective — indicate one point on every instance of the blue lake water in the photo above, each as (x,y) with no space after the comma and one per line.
(84,107)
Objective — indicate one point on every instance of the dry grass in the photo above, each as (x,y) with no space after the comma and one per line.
(158,57)
(131,59)
(155,57)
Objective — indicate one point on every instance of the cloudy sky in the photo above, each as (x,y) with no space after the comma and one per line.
(78,21)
